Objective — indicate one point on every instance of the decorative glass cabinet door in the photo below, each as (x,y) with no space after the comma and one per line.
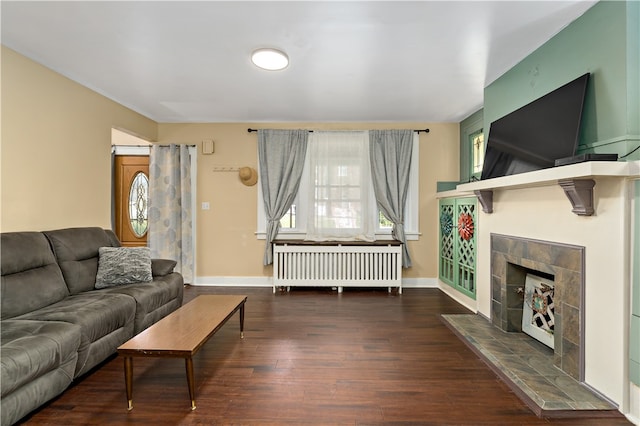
(457,265)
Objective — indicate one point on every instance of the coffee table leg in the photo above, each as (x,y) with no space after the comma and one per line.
(128,380)
(190,382)
(242,321)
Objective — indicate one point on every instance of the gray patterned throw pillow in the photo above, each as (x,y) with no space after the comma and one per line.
(123,265)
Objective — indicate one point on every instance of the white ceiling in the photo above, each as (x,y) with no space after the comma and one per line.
(176,61)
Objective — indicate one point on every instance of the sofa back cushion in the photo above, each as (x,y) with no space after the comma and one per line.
(76,250)
(31,278)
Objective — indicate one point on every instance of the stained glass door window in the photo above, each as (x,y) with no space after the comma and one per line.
(138,197)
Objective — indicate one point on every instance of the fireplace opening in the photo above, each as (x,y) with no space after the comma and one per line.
(516,289)
(538,309)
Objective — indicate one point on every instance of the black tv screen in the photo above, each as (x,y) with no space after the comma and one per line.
(534,136)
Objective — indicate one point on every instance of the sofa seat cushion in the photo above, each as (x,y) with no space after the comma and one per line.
(31,278)
(31,349)
(151,297)
(99,316)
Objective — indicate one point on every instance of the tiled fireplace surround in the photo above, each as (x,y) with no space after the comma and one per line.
(511,259)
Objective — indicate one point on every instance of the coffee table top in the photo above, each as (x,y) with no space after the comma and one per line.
(185,330)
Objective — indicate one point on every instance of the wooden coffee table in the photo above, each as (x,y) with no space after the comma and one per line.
(181,334)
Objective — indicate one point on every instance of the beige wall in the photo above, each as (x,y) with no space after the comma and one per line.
(56,145)
(227,245)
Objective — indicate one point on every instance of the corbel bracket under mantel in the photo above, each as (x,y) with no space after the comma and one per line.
(580,194)
(578,191)
(485,197)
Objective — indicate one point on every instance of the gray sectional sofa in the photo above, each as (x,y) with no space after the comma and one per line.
(55,325)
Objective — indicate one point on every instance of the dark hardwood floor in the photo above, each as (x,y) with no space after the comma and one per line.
(311,356)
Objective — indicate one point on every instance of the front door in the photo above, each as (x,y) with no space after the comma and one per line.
(131,199)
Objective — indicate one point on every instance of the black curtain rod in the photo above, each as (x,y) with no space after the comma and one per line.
(311,131)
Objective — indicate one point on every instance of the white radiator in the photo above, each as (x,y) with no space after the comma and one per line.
(337,266)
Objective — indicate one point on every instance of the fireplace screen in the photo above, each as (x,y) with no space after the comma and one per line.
(538,309)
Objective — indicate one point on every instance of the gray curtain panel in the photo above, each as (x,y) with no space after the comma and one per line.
(390,153)
(170,233)
(281,156)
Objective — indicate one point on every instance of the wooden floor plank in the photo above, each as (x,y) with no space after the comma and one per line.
(312,356)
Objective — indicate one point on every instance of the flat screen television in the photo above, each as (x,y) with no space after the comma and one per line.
(537,134)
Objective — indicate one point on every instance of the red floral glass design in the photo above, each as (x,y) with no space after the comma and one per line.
(465,226)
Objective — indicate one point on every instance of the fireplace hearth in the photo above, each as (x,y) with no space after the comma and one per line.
(524,365)
(512,258)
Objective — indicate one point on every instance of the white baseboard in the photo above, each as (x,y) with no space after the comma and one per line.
(234,281)
(634,409)
(268,282)
(406,283)
(419,283)
(462,299)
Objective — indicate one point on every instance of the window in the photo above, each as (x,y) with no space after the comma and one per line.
(383,222)
(472,146)
(340,197)
(294,222)
(477,152)
(138,212)
(288,221)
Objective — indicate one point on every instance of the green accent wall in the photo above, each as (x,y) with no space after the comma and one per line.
(633,67)
(442,186)
(634,341)
(605,42)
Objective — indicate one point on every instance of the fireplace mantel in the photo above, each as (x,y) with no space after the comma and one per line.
(577,181)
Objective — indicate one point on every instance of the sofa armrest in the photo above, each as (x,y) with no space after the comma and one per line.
(162,267)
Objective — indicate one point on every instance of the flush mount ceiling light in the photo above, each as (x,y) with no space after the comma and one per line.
(270,59)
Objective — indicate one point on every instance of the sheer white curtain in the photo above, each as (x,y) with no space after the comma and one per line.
(341,198)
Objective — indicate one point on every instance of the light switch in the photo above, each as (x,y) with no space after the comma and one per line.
(205,205)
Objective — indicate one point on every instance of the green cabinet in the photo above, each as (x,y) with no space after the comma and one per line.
(457,265)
